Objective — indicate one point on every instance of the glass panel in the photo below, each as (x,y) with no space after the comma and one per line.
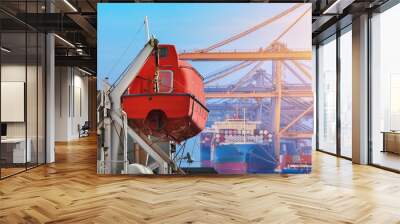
(22,81)
(166,81)
(13,87)
(163,52)
(41,98)
(385,89)
(394,102)
(314,85)
(346,94)
(31,89)
(31,97)
(327,96)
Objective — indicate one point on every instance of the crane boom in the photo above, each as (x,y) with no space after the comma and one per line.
(252,29)
(282,54)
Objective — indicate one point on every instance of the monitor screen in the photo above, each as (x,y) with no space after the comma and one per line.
(3,129)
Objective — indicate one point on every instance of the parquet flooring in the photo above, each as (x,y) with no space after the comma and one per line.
(10,171)
(70,191)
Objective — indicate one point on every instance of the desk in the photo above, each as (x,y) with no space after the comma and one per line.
(15,148)
(391,141)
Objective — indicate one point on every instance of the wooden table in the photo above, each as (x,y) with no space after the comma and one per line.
(391,141)
(14,151)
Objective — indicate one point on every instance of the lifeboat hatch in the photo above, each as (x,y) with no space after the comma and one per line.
(156,120)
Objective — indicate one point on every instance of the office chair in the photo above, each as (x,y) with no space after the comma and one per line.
(84,130)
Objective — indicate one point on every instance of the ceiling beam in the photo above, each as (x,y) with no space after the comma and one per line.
(86,27)
(337,7)
(81,61)
(49,22)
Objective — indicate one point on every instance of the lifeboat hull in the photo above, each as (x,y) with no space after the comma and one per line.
(176,116)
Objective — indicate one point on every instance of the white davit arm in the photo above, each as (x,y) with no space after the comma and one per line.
(122,84)
(113,112)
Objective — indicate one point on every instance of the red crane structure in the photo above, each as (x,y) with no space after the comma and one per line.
(282,95)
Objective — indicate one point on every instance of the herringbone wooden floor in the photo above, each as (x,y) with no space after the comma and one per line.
(69,191)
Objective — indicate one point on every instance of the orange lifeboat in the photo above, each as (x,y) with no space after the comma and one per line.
(175,109)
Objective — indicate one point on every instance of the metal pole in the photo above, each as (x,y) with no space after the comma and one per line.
(338,97)
(244,123)
(146,25)
(107,131)
(125,123)
(277,109)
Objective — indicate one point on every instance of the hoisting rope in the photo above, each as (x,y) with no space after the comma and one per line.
(131,44)
(157,72)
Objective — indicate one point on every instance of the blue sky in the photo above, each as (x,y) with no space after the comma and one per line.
(121,34)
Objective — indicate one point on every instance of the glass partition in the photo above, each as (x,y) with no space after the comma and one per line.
(13,94)
(22,88)
(41,96)
(385,89)
(327,96)
(346,93)
(31,97)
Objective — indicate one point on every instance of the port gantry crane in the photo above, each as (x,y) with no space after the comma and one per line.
(285,125)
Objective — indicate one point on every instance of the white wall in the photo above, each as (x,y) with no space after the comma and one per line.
(71,102)
(12,73)
(61,103)
(81,104)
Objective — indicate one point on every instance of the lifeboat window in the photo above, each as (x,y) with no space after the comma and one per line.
(163,52)
(166,81)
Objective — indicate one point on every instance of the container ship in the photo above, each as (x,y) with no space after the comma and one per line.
(237,146)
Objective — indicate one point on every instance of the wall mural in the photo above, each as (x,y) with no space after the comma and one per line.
(204,88)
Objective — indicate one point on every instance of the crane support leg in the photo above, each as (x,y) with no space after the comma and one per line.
(277,111)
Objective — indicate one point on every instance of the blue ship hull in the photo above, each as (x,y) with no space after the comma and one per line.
(245,158)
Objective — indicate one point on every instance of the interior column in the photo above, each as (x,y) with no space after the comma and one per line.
(360,90)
